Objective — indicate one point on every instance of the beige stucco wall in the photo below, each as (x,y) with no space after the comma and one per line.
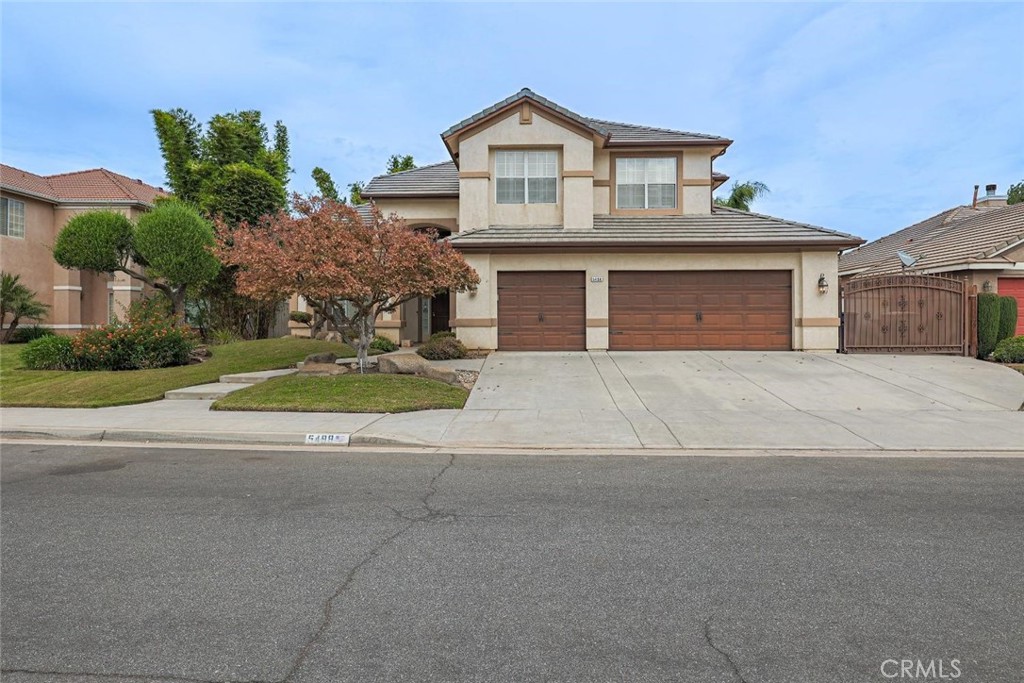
(813,313)
(30,256)
(477,205)
(421,210)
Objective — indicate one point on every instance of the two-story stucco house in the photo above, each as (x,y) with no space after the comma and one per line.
(34,210)
(589,234)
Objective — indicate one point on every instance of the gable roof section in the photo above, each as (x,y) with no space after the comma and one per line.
(613,134)
(964,237)
(724,227)
(435,180)
(94,185)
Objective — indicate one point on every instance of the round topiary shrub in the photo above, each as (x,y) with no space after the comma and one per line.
(443,348)
(383,344)
(1010,350)
(52,352)
(301,317)
(442,335)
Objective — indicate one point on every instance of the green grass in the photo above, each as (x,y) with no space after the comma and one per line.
(352,393)
(57,389)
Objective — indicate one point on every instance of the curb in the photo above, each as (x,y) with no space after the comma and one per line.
(296,439)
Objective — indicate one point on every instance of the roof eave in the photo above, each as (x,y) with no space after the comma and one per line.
(28,193)
(645,246)
(410,195)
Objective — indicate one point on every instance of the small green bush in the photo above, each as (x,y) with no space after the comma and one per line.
(443,348)
(383,344)
(988,323)
(52,352)
(224,336)
(23,335)
(301,317)
(1007,317)
(1010,350)
(442,335)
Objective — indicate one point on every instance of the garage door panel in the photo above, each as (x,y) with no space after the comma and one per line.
(738,310)
(542,311)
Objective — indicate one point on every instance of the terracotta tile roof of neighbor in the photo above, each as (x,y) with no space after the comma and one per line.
(722,227)
(956,237)
(94,185)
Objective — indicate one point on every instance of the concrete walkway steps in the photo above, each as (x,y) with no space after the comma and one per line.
(226,385)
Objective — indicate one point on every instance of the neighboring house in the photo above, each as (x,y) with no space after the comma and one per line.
(35,208)
(982,244)
(590,234)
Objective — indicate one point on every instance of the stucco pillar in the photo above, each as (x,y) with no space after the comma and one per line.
(66,313)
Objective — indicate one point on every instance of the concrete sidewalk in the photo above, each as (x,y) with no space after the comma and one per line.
(629,401)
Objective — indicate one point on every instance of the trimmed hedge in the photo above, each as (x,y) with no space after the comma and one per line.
(989,308)
(1010,350)
(52,352)
(1007,317)
(442,335)
(443,348)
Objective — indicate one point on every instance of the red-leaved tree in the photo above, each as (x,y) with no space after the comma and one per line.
(349,270)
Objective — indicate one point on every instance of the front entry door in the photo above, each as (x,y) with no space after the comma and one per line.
(440,312)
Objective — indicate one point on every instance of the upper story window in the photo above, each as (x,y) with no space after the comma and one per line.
(528,177)
(12,217)
(645,183)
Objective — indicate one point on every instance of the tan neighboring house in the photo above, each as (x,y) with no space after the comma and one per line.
(591,234)
(982,244)
(35,208)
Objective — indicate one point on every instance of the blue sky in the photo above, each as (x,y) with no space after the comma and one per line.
(859,117)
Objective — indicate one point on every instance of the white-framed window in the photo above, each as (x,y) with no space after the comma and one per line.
(12,217)
(645,183)
(111,312)
(526,177)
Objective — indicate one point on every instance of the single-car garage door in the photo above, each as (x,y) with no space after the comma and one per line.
(542,311)
(1014,286)
(654,310)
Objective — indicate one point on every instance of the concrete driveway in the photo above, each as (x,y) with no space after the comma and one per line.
(698,399)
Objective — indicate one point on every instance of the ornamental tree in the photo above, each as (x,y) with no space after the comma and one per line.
(348,270)
(170,249)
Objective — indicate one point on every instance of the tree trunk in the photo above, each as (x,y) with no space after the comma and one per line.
(177,297)
(366,330)
(9,332)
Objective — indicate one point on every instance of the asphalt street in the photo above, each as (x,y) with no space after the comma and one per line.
(218,565)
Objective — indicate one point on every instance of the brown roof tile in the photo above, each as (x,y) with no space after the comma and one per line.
(722,227)
(966,236)
(93,185)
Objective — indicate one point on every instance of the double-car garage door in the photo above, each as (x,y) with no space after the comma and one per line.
(648,310)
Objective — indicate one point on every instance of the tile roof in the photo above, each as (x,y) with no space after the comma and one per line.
(722,227)
(948,241)
(94,185)
(436,180)
(616,133)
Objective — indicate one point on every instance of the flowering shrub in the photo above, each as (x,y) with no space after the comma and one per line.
(147,339)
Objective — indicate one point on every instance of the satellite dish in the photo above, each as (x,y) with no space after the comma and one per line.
(906,259)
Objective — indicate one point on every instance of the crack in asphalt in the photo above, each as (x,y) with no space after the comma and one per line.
(125,677)
(725,655)
(328,609)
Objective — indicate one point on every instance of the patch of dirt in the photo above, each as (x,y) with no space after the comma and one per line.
(478,353)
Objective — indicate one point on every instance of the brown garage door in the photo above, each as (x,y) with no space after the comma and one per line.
(700,310)
(542,311)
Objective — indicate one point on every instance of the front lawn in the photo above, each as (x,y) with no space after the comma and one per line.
(59,389)
(352,393)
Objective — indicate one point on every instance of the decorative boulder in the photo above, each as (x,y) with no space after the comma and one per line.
(402,364)
(322,357)
(412,364)
(322,369)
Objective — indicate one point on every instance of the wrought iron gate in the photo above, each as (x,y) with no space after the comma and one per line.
(905,314)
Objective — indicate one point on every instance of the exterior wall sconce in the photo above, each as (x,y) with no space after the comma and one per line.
(987,287)
(822,284)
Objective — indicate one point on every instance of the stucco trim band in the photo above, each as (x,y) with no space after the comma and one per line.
(67,288)
(817,322)
(486,175)
(474,322)
(597,322)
